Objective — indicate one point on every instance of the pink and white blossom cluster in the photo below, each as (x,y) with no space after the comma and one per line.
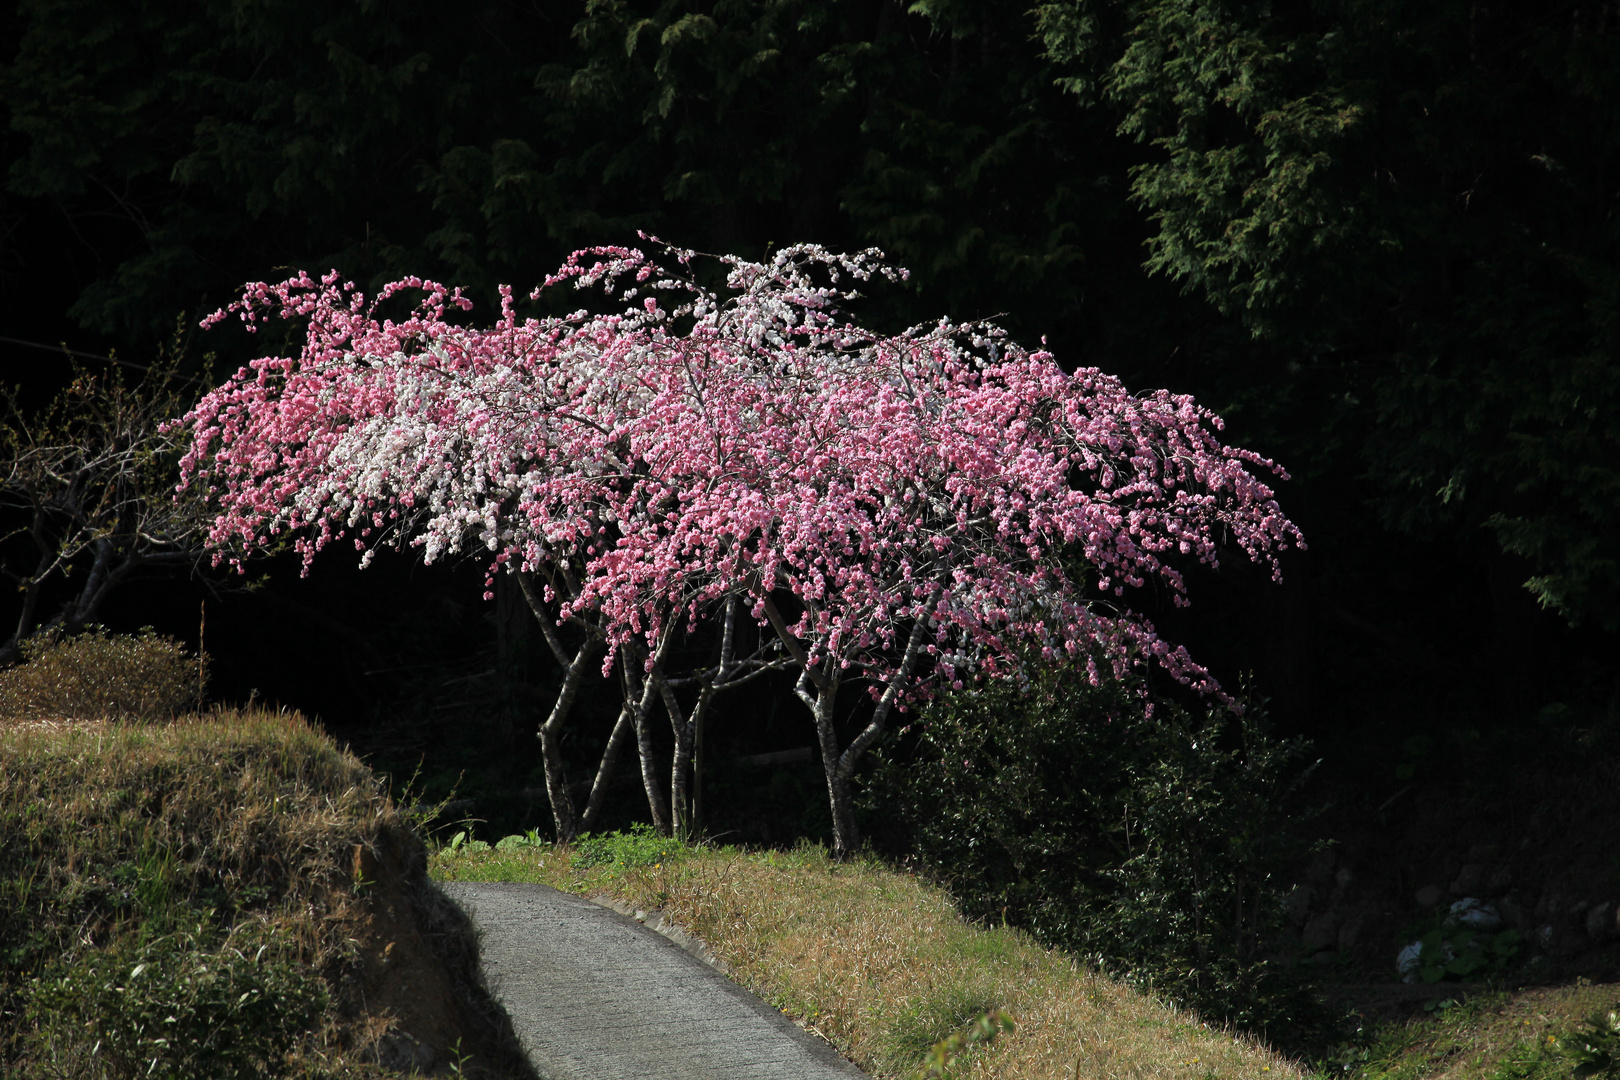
(754,442)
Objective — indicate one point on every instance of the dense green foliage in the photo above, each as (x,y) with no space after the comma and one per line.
(1415,201)
(479,148)
(1155,843)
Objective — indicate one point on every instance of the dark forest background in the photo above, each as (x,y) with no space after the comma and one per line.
(1378,237)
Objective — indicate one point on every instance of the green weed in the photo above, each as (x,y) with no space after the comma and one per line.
(639,848)
(193,1002)
(1595,1047)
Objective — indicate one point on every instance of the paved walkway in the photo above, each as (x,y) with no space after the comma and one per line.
(595,995)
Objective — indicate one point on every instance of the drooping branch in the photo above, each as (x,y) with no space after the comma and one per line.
(655,463)
(790,643)
(548,627)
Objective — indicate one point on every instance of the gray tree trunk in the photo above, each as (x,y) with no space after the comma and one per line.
(562,805)
(638,688)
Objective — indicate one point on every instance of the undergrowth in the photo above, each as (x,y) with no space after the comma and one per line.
(1155,843)
(1538,1033)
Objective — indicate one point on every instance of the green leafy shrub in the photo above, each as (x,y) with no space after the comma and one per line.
(102,676)
(1595,1048)
(531,839)
(184,1004)
(1454,951)
(640,847)
(1153,843)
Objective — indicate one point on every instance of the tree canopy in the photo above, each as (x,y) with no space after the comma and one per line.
(928,507)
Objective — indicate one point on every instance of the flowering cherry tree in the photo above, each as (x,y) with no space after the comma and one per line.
(895,512)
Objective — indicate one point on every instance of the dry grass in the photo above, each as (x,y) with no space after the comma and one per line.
(1498,1036)
(96,675)
(117,834)
(880,964)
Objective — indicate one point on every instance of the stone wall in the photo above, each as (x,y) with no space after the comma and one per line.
(1543,851)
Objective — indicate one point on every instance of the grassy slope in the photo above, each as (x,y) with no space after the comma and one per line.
(881,964)
(241,829)
(229,872)
(1494,1036)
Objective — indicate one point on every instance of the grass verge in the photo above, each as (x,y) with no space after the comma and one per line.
(881,964)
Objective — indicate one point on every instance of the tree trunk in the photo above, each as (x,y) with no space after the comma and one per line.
(632,719)
(697,768)
(639,688)
(728,653)
(83,610)
(562,805)
(846,832)
(604,769)
(840,768)
(680,726)
(25,620)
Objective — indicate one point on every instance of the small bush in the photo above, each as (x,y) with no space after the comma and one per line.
(182,1004)
(1153,843)
(102,676)
(1453,951)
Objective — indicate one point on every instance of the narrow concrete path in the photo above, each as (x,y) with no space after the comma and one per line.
(594,995)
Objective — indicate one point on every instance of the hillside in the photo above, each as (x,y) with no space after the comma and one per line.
(225,896)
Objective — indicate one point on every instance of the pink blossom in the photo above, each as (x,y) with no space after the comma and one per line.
(904,510)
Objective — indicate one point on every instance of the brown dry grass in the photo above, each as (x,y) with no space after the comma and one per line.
(115,832)
(96,675)
(881,964)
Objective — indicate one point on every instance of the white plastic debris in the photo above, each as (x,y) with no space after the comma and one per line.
(1474,914)
(1407,961)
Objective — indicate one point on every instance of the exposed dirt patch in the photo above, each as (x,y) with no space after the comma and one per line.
(415,977)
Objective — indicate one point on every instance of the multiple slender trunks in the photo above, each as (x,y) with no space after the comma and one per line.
(645,681)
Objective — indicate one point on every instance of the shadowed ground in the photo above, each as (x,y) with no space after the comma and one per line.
(594,995)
